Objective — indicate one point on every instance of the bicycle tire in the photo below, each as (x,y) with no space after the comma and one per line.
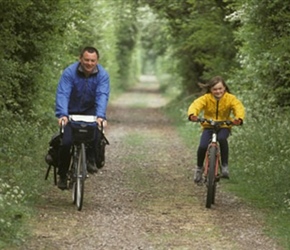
(214,192)
(217,177)
(81,175)
(211,184)
(73,176)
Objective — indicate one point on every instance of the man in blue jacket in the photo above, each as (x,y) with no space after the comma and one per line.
(83,89)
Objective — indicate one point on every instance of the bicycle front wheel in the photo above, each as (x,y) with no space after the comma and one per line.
(211,183)
(73,173)
(73,176)
(81,176)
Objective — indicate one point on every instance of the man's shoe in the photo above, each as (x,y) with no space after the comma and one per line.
(100,164)
(62,183)
(198,174)
(225,172)
(91,167)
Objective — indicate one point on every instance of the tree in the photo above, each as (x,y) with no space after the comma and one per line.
(201,37)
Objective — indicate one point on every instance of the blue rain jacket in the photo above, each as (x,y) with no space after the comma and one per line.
(78,94)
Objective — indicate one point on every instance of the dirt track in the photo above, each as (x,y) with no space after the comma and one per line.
(144,198)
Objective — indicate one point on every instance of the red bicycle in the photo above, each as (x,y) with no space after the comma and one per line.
(212,165)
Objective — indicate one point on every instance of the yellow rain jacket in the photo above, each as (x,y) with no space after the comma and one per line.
(228,107)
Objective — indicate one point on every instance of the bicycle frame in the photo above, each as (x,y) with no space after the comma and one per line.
(78,168)
(77,172)
(212,164)
(214,143)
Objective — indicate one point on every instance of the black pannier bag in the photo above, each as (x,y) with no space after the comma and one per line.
(100,149)
(51,157)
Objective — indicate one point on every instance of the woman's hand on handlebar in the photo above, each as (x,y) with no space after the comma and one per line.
(193,118)
(237,122)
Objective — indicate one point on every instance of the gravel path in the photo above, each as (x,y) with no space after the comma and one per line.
(144,198)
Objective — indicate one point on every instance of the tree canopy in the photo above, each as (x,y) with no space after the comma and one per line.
(244,41)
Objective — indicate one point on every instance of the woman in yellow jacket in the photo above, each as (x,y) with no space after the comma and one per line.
(217,104)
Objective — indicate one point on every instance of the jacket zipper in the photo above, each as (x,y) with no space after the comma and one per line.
(84,92)
(217,109)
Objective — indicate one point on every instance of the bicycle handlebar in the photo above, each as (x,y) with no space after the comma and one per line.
(83,118)
(215,123)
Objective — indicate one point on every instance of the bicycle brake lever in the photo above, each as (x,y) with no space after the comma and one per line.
(228,123)
(62,127)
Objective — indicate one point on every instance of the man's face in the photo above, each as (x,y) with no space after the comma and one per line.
(89,62)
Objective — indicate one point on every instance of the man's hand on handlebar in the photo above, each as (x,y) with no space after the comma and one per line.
(100,121)
(62,121)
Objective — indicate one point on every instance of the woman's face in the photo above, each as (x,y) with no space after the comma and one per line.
(218,90)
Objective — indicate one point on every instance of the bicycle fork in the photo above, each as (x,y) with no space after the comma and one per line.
(213,143)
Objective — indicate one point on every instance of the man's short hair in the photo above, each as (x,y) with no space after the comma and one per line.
(90,50)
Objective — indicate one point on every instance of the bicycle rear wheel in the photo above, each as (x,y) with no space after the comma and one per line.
(81,176)
(211,184)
